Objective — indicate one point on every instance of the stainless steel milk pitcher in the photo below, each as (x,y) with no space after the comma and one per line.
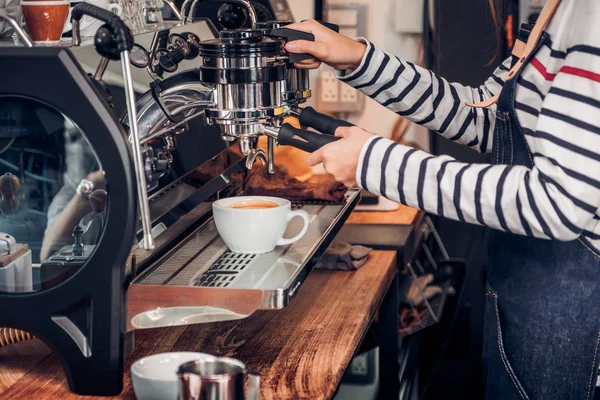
(219,379)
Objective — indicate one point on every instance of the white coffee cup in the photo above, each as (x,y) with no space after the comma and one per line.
(256,230)
(155,377)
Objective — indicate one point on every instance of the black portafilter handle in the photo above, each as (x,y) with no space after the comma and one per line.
(303,139)
(289,35)
(329,25)
(110,47)
(323,123)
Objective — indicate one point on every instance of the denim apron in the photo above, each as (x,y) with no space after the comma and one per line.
(542,312)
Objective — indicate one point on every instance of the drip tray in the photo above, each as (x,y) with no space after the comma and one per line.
(201,271)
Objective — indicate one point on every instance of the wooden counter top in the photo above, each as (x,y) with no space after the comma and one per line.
(402,216)
(301,352)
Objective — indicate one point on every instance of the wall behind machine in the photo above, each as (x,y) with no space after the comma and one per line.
(382,29)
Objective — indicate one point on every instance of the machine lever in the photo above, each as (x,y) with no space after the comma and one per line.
(311,118)
(114,30)
(303,139)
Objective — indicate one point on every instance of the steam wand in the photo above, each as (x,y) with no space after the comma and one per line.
(116,32)
(174,9)
(15,25)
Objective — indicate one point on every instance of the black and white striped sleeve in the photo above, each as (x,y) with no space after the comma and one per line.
(426,99)
(557,198)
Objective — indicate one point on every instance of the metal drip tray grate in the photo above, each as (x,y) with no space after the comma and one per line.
(224,270)
(203,260)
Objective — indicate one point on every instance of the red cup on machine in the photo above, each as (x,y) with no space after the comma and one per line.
(45,19)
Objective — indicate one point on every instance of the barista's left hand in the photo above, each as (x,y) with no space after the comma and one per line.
(340,158)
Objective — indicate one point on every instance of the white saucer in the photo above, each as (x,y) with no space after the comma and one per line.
(176,316)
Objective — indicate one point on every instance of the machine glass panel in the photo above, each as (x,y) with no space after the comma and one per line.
(54,196)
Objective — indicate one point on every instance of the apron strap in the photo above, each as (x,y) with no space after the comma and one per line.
(522,51)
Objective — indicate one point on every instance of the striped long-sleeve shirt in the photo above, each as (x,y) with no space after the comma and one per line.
(558,106)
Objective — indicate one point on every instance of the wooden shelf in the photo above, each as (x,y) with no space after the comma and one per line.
(402,216)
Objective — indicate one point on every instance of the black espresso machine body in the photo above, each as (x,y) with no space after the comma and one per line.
(80,318)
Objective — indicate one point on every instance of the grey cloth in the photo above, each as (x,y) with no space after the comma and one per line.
(415,291)
(343,256)
(13,9)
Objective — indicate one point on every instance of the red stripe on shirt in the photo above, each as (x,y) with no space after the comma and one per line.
(565,70)
(542,70)
(580,72)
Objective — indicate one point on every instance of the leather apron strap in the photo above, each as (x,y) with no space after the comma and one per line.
(523,51)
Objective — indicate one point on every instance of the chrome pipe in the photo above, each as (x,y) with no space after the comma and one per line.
(18,30)
(271,155)
(272,132)
(76,33)
(190,16)
(174,9)
(253,155)
(101,68)
(186,5)
(138,161)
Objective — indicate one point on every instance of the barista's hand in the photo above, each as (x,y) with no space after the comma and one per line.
(333,49)
(340,158)
(97,178)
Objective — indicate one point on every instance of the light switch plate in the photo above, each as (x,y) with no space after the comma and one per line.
(409,16)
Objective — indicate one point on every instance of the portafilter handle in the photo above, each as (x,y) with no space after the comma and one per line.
(328,25)
(289,35)
(301,139)
(311,118)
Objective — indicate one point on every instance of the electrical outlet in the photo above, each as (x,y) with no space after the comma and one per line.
(329,89)
(348,94)
(360,365)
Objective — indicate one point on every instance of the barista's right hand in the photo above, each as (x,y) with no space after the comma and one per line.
(97,178)
(335,50)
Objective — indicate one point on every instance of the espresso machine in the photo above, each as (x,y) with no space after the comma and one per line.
(113,148)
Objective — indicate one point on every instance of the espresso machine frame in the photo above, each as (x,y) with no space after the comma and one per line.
(82,323)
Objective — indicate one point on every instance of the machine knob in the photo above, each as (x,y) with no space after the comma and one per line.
(9,186)
(106,42)
(232,16)
(98,200)
(193,45)
(171,59)
(78,241)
